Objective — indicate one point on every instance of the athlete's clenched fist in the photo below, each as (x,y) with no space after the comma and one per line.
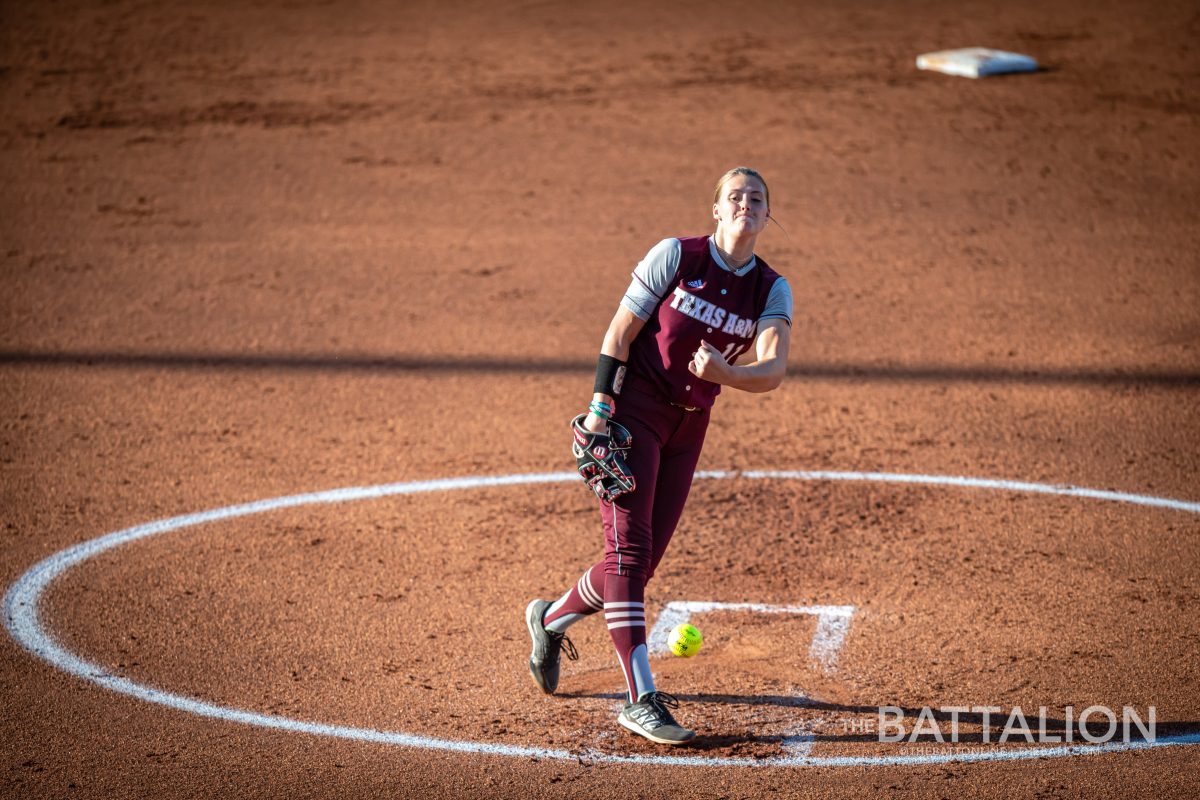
(708,363)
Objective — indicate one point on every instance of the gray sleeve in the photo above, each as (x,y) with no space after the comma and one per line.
(652,277)
(779,302)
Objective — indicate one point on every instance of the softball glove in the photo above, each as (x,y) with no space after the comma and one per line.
(600,459)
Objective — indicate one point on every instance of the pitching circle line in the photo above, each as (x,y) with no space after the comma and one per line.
(22,600)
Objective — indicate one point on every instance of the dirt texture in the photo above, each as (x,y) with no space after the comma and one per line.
(255,250)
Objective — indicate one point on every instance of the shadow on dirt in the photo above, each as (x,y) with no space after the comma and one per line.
(854,373)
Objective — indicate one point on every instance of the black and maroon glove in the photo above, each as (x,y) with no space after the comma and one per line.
(600,459)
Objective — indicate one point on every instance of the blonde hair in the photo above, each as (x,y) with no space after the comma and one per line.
(750,173)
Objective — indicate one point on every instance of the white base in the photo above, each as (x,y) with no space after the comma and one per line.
(976,62)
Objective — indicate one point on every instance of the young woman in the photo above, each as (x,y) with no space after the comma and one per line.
(694,306)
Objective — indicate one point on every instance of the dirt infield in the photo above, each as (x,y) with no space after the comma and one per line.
(254,252)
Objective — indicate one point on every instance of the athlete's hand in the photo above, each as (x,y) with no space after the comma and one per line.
(708,363)
(595,424)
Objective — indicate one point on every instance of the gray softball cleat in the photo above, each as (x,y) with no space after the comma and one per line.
(650,717)
(547,646)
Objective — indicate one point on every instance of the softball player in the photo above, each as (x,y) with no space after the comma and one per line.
(694,306)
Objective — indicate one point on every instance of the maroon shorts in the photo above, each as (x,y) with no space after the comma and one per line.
(667,441)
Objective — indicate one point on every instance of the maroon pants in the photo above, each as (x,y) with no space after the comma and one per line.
(667,441)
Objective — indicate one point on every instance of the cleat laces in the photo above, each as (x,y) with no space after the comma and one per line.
(652,711)
(560,641)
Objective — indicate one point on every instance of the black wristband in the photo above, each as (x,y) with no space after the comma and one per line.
(610,374)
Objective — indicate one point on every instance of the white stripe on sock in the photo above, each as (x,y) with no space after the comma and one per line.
(587,592)
(624,605)
(556,605)
(625,672)
(640,623)
(624,615)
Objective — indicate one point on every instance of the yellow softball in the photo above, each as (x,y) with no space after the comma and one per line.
(685,640)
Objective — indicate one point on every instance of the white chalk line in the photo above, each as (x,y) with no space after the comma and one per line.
(22,621)
(978,483)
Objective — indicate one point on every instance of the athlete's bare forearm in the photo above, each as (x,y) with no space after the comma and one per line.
(761,375)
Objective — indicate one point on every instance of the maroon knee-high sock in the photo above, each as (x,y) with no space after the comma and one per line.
(625,613)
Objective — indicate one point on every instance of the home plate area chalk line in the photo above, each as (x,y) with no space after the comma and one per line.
(23,623)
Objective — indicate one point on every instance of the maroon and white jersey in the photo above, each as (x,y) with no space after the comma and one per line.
(685,293)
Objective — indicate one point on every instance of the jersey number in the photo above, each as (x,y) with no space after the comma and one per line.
(733,351)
